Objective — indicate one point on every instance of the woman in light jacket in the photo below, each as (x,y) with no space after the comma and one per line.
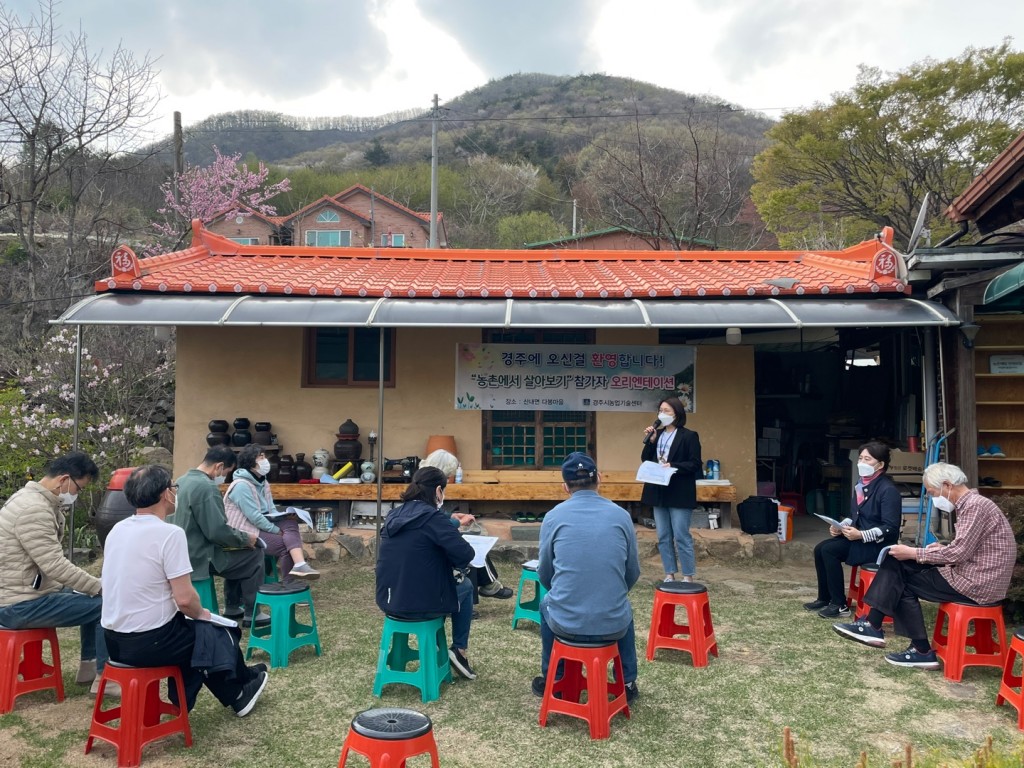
(671,444)
(248,501)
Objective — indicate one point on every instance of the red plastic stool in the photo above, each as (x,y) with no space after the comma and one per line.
(388,737)
(24,671)
(699,632)
(853,590)
(951,643)
(867,575)
(1011,689)
(139,712)
(562,696)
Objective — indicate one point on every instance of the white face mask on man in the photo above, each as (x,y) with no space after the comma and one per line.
(943,503)
(67,498)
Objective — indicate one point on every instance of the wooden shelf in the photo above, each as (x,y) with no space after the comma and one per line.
(999,430)
(999,347)
(1001,458)
(999,375)
(999,400)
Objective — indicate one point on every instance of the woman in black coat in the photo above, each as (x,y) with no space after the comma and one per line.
(423,561)
(672,445)
(875,523)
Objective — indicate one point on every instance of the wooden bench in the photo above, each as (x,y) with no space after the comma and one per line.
(492,485)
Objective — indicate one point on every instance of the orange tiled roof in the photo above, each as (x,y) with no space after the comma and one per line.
(216,265)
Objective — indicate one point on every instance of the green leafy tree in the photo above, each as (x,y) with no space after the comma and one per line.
(531,227)
(376,155)
(839,172)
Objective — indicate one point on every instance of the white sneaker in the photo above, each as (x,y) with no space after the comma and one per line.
(669,577)
(86,671)
(111,690)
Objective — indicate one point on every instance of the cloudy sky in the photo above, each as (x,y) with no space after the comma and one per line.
(369,57)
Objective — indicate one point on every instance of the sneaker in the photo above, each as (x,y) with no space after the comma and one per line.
(496,590)
(256,669)
(687,579)
(304,571)
(262,620)
(461,663)
(996,452)
(632,691)
(538,685)
(111,690)
(862,632)
(913,658)
(250,693)
(233,613)
(816,605)
(86,671)
(670,577)
(983,451)
(833,611)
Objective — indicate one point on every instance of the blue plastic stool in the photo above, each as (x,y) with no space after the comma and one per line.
(284,633)
(528,609)
(396,654)
(207,594)
(270,570)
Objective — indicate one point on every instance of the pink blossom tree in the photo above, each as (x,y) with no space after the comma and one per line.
(225,187)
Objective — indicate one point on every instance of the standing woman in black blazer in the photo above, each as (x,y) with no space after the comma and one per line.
(672,445)
(874,523)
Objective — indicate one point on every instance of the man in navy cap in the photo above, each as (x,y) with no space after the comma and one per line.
(588,563)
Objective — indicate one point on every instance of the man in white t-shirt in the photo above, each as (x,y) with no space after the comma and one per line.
(148,594)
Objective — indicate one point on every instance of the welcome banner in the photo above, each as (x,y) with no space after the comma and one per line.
(566,377)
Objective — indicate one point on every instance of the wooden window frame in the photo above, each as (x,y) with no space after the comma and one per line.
(540,336)
(309,377)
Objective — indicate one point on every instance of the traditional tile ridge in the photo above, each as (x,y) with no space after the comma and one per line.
(997,180)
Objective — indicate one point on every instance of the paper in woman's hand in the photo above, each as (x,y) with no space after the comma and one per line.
(300,513)
(653,472)
(829,520)
(220,621)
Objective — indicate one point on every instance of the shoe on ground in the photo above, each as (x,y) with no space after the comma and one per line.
(816,605)
(262,620)
(461,663)
(669,577)
(250,694)
(913,658)
(112,690)
(538,685)
(256,669)
(632,691)
(686,579)
(304,571)
(496,590)
(233,613)
(862,632)
(996,452)
(833,611)
(86,671)
(476,615)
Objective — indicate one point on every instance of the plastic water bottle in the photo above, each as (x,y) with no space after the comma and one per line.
(458,474)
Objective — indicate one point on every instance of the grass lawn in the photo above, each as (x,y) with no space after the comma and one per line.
(778,666)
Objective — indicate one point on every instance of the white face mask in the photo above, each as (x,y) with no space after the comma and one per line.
(263,466)
(67,498)
(666,418)
(943,503)
(441,502)
(219,479)
(866,470)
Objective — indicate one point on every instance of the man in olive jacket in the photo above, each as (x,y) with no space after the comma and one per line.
(214,547)
(39,586)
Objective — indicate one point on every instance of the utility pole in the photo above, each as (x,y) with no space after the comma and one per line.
(433,176)
(574,217)
(179,156)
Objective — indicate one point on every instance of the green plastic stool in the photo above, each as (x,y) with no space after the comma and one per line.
(270,570)
(528,609)
(284,633)
(207,594)
(396,654)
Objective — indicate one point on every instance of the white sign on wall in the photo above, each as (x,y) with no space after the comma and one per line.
(569,377)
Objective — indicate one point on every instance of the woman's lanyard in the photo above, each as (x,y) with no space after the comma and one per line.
(665,445)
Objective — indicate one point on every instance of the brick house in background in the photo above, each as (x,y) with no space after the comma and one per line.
(356,217)
(612,239)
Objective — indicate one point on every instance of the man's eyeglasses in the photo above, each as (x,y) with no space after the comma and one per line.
(78,488)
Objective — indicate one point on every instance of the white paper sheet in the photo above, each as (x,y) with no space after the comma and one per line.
(481,546)
(220,621)
(829,520)
(302,514)
(653,472)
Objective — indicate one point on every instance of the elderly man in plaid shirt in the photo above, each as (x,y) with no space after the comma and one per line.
(974,568)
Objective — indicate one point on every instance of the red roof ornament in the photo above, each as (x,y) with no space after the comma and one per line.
(123,261)
(884,265)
